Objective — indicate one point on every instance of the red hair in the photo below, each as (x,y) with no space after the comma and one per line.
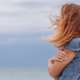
(67,25)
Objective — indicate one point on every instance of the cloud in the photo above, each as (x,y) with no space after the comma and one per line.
(14,18)
(26,17)
(26,38)
(22,24)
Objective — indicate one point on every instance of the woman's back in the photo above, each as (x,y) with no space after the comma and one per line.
(72,70)
(67,35)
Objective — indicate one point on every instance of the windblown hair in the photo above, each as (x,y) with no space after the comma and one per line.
(67,25)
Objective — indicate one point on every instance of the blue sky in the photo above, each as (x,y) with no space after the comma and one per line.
(22,24)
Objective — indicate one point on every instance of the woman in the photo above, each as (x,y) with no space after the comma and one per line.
(67,40)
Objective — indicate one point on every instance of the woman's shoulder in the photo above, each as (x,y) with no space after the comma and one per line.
(75,40)
(73,44)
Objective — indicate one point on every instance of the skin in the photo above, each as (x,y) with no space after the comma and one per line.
(60,56)
(56,65)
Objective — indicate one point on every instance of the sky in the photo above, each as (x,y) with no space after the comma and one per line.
(22,24)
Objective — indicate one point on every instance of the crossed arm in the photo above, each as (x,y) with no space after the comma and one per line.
(55,68)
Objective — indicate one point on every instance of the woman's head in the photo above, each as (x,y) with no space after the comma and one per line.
(67,25)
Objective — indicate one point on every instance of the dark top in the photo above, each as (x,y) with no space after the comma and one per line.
(72,70)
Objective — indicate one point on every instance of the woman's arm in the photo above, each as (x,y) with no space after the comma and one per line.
(60,56)
(56,68)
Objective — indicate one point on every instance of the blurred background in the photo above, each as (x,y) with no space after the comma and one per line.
(23,52)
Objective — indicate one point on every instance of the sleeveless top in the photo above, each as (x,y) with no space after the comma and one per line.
(72,70)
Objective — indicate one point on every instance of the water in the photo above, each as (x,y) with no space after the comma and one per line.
(24,74)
